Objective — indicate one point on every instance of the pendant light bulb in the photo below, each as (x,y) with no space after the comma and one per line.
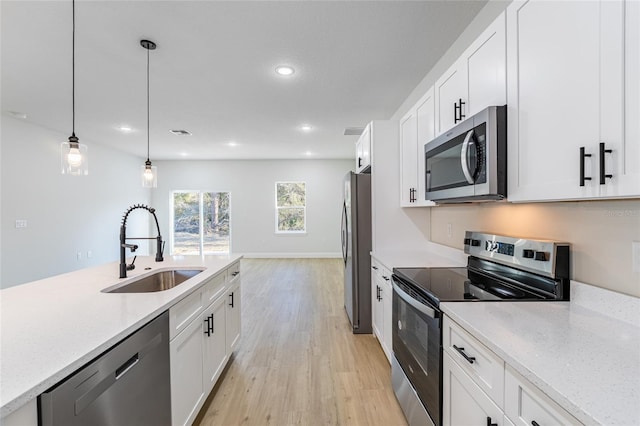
(149,172)
(73,154)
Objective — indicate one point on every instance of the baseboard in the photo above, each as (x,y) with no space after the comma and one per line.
(292,255)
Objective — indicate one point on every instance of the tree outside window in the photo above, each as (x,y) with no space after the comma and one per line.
(291,207)
(200,223)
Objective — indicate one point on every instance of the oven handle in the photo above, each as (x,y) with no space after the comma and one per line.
(463,157)
(413,302)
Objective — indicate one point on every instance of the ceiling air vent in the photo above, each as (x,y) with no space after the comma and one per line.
(180,132)
(353,131)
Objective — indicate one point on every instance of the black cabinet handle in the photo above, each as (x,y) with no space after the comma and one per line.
(457,111)
(233,274)
(385,278)
(211,325)
(231,295)
(534,423)
(375,267)
(489,422)
(378,293)
(603,173)
(359,162)
(471,359)
(207,330)
(583,155)
(412,195)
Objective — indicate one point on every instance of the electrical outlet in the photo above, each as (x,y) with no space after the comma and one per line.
(635,255)
(79,255)
(449,230)
(21,223)
(89,254)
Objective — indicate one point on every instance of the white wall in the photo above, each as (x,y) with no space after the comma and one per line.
(65,214)
(252,188)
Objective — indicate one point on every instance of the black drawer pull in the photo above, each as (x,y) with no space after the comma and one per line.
(489,422)
(534,423)
(583,155)
(231,296)
(471,359)
(375,267)
(603,173)
(207,330)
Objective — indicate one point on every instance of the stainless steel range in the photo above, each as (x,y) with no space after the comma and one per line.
(499,268)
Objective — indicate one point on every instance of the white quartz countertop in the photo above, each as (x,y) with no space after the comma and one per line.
(432,256)
(587,362)
(51,327)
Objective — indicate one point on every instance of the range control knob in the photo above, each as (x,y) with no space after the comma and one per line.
(527,253)
(467,241)
(540,255)
(475,243)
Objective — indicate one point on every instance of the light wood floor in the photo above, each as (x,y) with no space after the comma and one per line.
(298,362)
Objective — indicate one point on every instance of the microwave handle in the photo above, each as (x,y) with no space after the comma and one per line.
(413,302)
(463,157)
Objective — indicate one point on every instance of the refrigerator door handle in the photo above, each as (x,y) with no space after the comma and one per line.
(345,240)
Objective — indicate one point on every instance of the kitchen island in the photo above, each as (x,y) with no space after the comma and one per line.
(52,327)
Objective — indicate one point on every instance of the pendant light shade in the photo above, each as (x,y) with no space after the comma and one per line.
(149,172)
(74,155)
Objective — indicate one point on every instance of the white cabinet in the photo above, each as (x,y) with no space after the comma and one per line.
(214,346)
(417,128)
(464,403)
(525,405)
(475,81)
(206,329)
(566,96)
(363,151)
(187,387)
(381,305)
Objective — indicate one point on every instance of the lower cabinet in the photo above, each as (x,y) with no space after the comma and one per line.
(200,351)
(479,388)
(381,305)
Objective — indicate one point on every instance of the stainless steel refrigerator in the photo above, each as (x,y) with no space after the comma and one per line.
(356,249)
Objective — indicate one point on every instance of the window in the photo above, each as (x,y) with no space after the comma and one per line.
(200,222)
(291,207)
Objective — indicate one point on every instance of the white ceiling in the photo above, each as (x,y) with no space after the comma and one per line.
(213,71)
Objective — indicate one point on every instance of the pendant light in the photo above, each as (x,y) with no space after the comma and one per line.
(149,172)
(73,154)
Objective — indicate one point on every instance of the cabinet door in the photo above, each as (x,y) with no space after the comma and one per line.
(463,402)
(408,160)
(187,391)
(363,150)
(449,89)
(214,351)
(426,121)
(563,95)
(625,160)
(486,68)
(232,313)
(387,342)
(376,313)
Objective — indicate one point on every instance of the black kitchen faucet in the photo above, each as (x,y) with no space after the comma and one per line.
(123,240)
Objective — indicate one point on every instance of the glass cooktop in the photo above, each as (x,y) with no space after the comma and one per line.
(457,284)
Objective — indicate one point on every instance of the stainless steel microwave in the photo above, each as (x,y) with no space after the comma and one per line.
(469,162)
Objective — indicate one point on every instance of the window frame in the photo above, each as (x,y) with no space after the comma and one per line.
(277,208)
(200,193)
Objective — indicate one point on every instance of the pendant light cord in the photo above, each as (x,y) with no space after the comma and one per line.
(147,104)
(73,70)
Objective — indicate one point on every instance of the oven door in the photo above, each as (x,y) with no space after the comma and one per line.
(417,345)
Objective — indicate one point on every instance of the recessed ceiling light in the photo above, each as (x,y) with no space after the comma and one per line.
(308,153)
(180,132)
(17,114)
(184,154)
(232,143)
(285,70)
(306,128)
(125,129)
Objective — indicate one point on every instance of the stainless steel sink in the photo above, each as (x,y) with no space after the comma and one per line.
(160,281)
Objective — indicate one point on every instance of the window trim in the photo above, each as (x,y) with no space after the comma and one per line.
(277,208)
(201,193)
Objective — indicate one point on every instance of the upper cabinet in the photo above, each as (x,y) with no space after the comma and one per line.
(417,128)
(475,81)
(573,93)
(363,151)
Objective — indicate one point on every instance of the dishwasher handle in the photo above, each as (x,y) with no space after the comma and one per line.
(128,365)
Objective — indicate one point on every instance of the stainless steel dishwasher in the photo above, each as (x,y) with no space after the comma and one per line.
(127,385)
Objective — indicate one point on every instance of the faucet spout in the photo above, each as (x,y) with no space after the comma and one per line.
(133,247)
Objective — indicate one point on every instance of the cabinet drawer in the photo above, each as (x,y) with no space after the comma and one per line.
(525,404)
(485,367)
(214,288)
(185,311)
